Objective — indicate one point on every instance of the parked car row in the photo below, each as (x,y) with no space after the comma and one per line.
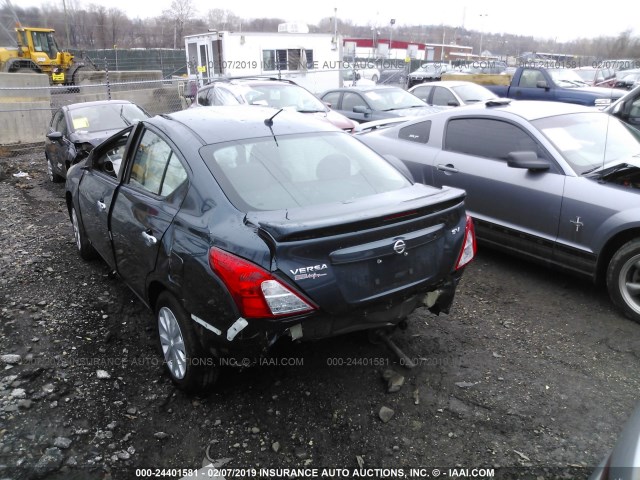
(331,236)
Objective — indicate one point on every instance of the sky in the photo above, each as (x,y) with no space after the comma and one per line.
(551,19)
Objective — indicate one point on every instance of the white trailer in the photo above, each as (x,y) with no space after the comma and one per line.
(312,60)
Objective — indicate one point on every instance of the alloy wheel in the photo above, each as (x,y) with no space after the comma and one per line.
(172,343)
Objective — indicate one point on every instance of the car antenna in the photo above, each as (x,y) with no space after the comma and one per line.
(269,123)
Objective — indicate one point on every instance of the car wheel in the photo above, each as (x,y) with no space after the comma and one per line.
(53,176)
(85,249)
(374,79)
(189,367)
(623,279)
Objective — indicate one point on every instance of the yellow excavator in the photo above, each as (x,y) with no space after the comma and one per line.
(37,52)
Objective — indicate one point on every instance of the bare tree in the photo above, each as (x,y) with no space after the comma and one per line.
(180,13)
(116,19)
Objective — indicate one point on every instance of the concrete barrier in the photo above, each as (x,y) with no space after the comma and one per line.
(479,78)
(27,103)
(25,107)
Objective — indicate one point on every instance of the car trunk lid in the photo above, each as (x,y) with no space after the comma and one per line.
(351,254)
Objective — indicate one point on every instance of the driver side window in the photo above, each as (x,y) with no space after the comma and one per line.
(155,167)
(58,124)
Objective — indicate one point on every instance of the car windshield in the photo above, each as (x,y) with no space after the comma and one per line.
(299,170)
(566,78)
(589,140)
(386,99)
(586,74)
(95,118)
(473,93)
(284,96)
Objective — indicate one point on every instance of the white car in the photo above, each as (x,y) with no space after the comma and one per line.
(363,71)
(451,93)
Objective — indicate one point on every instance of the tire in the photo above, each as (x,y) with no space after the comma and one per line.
(623,279)
(188,365)
(85,249)
(53,176)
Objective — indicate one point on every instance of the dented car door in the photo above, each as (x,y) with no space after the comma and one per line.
(146,203)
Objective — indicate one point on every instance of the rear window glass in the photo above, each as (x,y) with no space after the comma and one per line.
(291,171)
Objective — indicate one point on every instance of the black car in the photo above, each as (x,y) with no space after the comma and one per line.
(75,129)
(428,72)
(241,225)
(377,102)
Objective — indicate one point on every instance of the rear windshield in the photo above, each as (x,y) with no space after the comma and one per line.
(274,173)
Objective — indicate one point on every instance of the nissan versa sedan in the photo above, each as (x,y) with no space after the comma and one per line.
(241,225)
(550,181)
(75,129)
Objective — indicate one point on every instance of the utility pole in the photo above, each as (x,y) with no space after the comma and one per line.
(391,24)
(66,23)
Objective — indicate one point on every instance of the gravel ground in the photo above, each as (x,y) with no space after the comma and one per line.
(533,370)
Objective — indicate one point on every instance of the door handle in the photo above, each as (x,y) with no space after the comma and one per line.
(149,239)
(101,206)
(448,168)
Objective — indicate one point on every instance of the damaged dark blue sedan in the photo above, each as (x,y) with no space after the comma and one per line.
(240,225)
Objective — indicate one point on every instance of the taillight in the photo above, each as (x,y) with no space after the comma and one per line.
(257,293)
(469,247)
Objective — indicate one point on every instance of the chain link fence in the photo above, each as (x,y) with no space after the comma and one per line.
(169,61)
(28,102)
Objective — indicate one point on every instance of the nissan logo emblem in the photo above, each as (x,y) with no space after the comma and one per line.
(399,247)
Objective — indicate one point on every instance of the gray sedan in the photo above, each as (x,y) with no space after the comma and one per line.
(553,182)
(377,102)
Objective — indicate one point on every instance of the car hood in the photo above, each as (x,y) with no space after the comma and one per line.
(620,169)
(94,138)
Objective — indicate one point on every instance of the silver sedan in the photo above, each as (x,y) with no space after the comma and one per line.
(553,182)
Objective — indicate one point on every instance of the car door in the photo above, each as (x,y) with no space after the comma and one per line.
(443,97)
(528,89)
(514,207)
(353,100)
(61,151)
(96,192)
(423,92)
(146,202)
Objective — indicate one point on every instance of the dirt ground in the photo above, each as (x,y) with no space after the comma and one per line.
(533,373)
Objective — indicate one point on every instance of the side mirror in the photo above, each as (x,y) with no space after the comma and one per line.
(453,104)
(528,160)
(54,136)
(108,167)
(542,84)
(360,109)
